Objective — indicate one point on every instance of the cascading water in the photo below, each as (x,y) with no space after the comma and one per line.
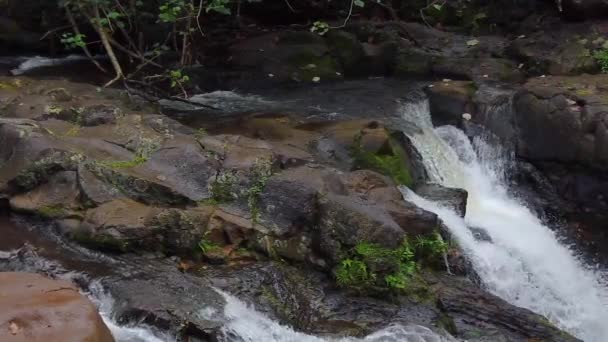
(523,263)
(242,323)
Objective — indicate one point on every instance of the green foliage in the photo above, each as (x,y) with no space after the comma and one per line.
(178,78)
(601,56)
(171,10)
(219,6)
(370,267)
(71,41)
(207,246)
(430,249)
(319,27)
(353,274)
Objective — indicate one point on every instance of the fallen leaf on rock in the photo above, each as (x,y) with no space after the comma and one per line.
(13,328)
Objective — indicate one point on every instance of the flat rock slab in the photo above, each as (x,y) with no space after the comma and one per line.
(35,308)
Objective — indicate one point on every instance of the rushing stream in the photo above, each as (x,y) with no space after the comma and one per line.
(524,263)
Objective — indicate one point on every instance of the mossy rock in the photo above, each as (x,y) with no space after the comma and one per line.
(348,50)
(300,38)
(412,63)
(391,160)
(102,242)
(307,66)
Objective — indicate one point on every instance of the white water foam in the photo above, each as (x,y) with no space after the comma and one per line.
(30,63)
(242,323)
(524,263)
(121,332)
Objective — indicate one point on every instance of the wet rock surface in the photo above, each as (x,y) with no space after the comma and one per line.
(304,175)
(35,308)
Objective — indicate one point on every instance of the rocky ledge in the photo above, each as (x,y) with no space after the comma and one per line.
(275,209)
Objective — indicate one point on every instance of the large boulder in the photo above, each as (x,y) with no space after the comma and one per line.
(563,119)
(297,56)
(35,308)
(560,50)
(455,199)
(449,100)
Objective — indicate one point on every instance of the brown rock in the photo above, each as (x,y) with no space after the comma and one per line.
(34,308)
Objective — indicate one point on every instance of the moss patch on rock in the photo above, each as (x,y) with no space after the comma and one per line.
(307,66)
(101,242)
(392,161)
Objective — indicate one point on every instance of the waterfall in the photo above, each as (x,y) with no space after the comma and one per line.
(524,263)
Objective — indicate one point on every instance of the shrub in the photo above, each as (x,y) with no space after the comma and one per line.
(601,56)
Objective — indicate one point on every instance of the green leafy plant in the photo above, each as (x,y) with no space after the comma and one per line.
(206,245)
(170,11)
(601,56)
(219,6)
(178,78)
(353,273)
(71,40)
(319,27)
(430,249)
(369,267)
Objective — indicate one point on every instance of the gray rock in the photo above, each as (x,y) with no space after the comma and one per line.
(99,115)
(345,221)
(448,101)
(455,199)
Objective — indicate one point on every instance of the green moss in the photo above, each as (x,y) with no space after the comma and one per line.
(412,64)
(279,306)
(446,322)
(7,86)
(347,48)
(52,211)
(471,88)
(392,162)
(306,66)
(583,92)
(101,242)
(124,164)
(74,131)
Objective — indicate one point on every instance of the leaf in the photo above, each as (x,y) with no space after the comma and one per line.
(479,16)
(472,42)
(359,3)
(437,7)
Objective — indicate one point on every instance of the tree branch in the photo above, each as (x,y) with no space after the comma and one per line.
(84,47)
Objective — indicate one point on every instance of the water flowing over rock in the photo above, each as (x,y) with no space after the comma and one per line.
(268,206)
